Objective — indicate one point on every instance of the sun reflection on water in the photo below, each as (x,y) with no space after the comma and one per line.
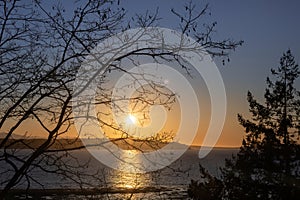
(125,180)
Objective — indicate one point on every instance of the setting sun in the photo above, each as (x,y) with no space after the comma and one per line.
(131,120)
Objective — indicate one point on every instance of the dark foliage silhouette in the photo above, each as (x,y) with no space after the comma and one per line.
(267,165)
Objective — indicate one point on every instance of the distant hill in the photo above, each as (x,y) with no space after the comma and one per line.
(126,144)
(197,147)
(35,143)
(17,136)
(145,145)
(18,142)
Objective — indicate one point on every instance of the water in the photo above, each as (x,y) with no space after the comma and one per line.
(168,183)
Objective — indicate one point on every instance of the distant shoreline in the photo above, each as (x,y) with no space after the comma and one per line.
(87,192)
(126,144)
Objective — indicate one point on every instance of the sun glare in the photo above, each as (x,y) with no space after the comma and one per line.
(131,119)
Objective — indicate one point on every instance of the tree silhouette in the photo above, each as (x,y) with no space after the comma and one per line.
(209,188)
(41,49)
(267,165)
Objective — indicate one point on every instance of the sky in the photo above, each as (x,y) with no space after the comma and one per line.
(268,29)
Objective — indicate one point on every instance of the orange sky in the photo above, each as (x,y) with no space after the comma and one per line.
(231,136)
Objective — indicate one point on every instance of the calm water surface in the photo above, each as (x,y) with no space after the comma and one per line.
(168,183)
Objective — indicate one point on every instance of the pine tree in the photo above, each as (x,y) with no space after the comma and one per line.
(267,165)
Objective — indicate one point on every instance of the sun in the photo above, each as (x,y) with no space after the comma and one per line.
(131,120)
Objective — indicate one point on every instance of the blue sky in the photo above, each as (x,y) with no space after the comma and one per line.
(268,28)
